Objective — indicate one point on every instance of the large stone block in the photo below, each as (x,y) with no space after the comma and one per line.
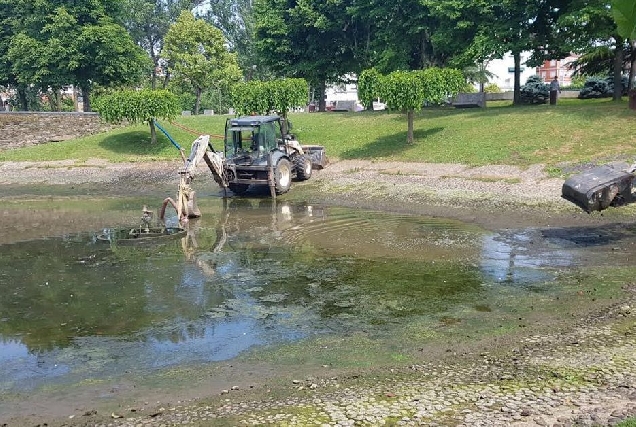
(470,100)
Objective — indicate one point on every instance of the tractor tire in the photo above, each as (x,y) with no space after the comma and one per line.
(302,164)
(238,189)
(282,176)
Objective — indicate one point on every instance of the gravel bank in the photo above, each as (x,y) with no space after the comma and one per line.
(585,376)
(582,375)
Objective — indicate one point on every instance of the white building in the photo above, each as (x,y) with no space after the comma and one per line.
(503,71)
(342,91)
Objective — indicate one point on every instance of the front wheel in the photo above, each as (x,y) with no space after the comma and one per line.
(303,167)
(282,176)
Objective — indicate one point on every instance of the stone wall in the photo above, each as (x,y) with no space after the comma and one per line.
(509,96)
(19,129)
(467,100)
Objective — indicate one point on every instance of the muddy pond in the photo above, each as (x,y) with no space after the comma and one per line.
(251,273)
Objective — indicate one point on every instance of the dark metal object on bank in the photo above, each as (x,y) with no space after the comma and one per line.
(600,187)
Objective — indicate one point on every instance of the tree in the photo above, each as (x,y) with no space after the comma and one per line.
(305,39)
(517,26)
(590,23)
(479,31)
(148,22)
(274,95)
(196,53)
(107,56)
(478,74)
(405,34)
(624,12)
(65,42)
(9,27)
(409,90)
(235,19)
(143,106)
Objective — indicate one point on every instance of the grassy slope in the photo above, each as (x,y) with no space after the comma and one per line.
(572,131)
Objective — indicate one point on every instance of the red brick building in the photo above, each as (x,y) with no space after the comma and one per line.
(560,68)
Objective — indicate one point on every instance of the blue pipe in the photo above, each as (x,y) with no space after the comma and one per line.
(165,132)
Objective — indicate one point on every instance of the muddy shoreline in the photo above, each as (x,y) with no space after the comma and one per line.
(579,371)
(484,195)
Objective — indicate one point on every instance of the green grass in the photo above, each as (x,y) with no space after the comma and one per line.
(572,131)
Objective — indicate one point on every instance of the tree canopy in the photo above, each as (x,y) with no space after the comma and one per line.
(410,90)
(263,97)
(136,106)
(202,45)
(197,56)
(624,12)
(148,22)
(62,42)
(307,39)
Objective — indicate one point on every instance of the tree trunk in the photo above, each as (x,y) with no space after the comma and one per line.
(153,132)
(155,62)
(22,98)
(75,106)
(618,69)
(197,104)
(632,66)
(517,83)
(58,100)
(86,101)
(322,102)
(51,97)
(153,78)
(283,124)
(409,134)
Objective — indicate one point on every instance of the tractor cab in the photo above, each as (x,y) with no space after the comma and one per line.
(248,140)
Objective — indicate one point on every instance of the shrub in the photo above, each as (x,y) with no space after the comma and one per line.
(610,84)
(601,87)
(535,91)
(577,82)
(468,88)
(492,88)
(595,87)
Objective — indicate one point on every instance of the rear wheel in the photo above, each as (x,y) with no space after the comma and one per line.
(282,176)
(238,189)
(302,164)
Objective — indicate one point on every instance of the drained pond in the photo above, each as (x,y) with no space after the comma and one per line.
(249,275)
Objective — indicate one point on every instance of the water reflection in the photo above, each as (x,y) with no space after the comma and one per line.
(522,257)
(248,273)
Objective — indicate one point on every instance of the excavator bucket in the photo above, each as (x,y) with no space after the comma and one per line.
(599,187)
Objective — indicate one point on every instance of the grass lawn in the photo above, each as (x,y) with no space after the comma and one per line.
(572,131)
